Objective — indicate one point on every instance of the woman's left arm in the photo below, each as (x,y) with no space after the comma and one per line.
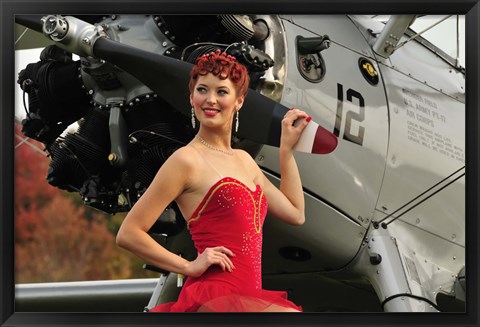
(288,203)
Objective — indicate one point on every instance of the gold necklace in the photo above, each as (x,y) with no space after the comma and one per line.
(229,152)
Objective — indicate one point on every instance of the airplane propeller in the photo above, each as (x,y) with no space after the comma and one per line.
(169,78)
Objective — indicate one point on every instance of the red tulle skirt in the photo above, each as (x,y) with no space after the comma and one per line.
(206,296)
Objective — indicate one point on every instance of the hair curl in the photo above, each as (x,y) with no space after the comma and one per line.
(222,66)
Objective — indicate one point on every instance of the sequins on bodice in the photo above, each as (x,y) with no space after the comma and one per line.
(232,215)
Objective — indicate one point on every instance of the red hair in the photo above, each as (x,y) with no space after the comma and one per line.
(223,67)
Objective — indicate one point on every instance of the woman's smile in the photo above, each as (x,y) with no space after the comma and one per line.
(211,112)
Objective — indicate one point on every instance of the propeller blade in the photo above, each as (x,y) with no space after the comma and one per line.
(169,78)
(32,22)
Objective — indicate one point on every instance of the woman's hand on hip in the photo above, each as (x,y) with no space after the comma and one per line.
(218,255)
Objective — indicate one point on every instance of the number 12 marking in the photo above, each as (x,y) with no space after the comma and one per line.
(350,115)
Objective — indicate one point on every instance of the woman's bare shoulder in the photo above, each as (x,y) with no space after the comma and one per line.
(246,157)
(179,168)
(185,156)
(249,162)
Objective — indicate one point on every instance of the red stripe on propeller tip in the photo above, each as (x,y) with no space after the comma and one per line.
(324,142)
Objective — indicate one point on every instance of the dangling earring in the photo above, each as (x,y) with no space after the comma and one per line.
(236,122)
(193,117)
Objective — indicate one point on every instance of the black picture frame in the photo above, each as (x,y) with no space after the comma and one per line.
(8,316)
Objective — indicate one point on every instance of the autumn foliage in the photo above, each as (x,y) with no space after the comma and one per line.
(56,237)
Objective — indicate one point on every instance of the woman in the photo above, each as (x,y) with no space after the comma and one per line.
(223,195)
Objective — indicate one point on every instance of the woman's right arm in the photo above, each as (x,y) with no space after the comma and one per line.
(171,180)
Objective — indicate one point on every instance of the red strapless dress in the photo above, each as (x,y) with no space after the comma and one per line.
(229,215)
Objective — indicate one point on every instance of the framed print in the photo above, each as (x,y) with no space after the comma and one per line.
(97,97)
